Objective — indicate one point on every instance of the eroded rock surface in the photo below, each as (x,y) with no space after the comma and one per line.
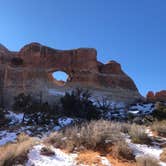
(158,96)
(30,70)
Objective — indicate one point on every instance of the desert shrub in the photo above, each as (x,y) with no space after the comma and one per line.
(22,137)
(78,104)
(87,135)
(10,153)
(147,161)
(130,116)
(122,151)
(3,119)
(160,111)
(159,127)
(101,136)
(138,134)
(39,113)
(125,127)
(163,156)
(103,105)
(22,103)
(35,112)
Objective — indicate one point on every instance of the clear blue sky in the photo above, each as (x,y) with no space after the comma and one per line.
(132,32)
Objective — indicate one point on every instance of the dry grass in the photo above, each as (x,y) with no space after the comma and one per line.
(13,152)
(163,156)
(160,128)
(122,151)
(101,136)
(125,127)
(88,135)
(138,134)
(147,161)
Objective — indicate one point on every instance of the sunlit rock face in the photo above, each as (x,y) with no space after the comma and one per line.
(158,96)
(30,71)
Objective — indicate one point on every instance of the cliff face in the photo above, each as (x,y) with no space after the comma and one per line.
(30,70)
(158,96)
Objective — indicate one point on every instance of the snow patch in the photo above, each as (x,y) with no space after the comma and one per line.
(141,150)
(105,161)
(59,159)
(55,92)
(65,121)
(6,137)
(14,117)
(143,108)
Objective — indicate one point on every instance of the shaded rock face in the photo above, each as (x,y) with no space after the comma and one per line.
(158,96)
(30,70)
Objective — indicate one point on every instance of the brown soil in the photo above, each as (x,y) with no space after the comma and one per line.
(90,158)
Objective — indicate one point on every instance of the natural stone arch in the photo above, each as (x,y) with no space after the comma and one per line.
(60,77)
(38,62)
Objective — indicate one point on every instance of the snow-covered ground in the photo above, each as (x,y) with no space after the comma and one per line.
(65,121)
(62,159)
(14,117)
(142,108)
(10,136)
(6,137)
(55,92)
(142,150)
(59,159)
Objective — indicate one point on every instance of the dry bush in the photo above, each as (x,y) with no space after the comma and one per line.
(22,137)
(87,135)
(125,127)
(9,153)
(160,127)
(147,161)
(102,136)
(122,151)
(138,134)
(163,156)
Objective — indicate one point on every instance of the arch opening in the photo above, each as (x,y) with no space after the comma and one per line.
(60,78)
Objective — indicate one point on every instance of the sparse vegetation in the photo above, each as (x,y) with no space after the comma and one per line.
(160,111)
(159,127)
(14,152)
(163,155)
(35,112)
(138,134)
(87,135)
(3,120)
(104,105)
(122,151)
(147,161)
(78,104)
(102,136)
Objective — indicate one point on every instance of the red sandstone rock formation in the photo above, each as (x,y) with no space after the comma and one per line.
(150,96)
(34,64)
(158,96)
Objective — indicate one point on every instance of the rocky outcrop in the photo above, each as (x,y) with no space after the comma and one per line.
(158,96)
(30,70)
